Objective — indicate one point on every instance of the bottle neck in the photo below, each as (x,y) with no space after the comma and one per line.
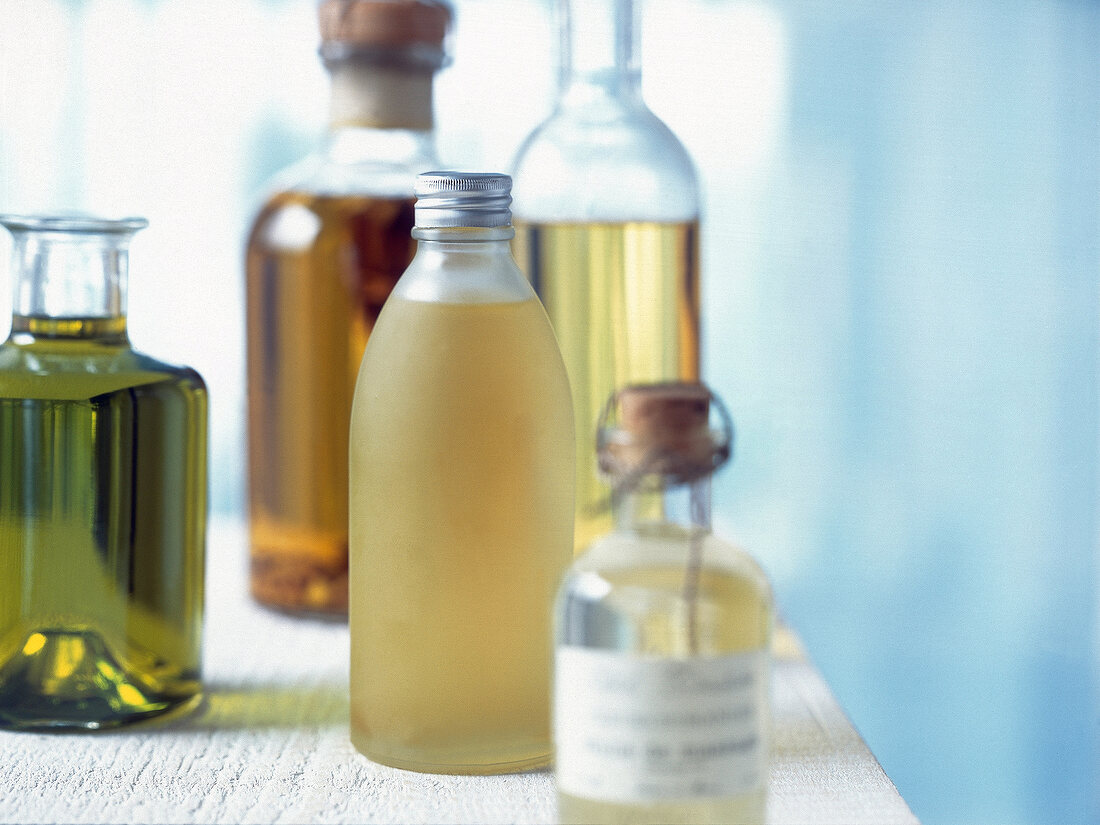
(70,284)
(463,265)
(366,95)
(495,238)
(599,50)
(465,252)
(653,504)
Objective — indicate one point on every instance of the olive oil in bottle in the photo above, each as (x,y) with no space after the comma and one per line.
(323,254)
(102,495)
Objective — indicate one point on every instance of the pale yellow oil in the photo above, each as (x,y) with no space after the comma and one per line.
(640,607)
(623,299)
(460,530)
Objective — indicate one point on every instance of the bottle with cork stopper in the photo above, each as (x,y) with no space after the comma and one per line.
(323,254)
(662,632)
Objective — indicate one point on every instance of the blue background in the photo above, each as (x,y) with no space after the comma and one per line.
(901,263)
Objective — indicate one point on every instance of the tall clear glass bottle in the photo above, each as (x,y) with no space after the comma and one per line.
(102,494)
(323,254)
(662,653)
(607,229)
(461,499)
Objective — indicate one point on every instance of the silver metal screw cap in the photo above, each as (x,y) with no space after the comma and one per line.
(445,199)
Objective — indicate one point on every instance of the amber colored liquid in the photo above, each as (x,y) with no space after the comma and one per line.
(461,528)
(319,269)
(623,299)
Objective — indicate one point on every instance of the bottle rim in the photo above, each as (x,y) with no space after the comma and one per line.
(72,224)
(414,58)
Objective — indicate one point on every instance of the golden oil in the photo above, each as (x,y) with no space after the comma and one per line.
(623,299)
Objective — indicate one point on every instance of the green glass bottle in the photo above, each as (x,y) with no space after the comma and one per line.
(102,494)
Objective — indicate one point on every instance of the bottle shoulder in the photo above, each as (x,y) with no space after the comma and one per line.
(627,165)
(357,162)
(84,369)
(655,595)
(665,547)
(296,220)
(464,273)
(185,376)
(321,177)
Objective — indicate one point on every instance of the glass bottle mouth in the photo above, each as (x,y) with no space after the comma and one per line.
(75,223)
(69,265)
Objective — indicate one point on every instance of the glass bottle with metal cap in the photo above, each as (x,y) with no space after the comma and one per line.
(323,254)
(662,662)
(607,229)
(461,499)
(102,494)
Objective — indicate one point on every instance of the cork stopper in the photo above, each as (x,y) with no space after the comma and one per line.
(664,428)
(670,416)
(384,27)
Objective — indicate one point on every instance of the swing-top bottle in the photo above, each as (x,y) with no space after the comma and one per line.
(662,633)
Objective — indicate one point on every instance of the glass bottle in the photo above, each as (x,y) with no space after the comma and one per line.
(323,254)
(461,499)
(662,633)
(102,493)
(607,229)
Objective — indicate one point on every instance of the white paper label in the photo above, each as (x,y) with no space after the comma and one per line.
(631,729)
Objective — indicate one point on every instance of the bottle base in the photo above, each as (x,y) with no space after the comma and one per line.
(300,585)
(69,680)
(747,809)
(458,768)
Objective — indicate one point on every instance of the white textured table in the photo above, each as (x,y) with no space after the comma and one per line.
(271,745)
